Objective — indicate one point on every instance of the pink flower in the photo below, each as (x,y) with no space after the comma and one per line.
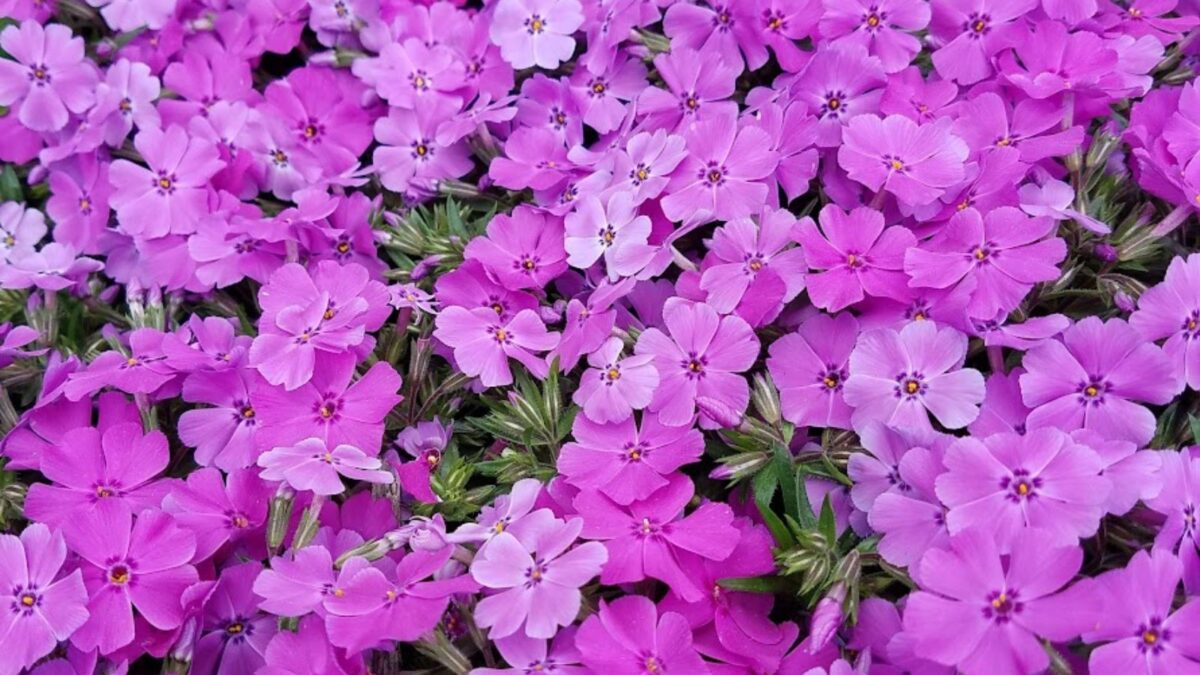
(222,435)
(1171,310)
(971,33)
(94,470)
(538,585)
(613,387)
(858,255)
(43,608)
(701,357)
(483,343)
(1007,483)
(618,233)
(916,163)
(755,271)
(397,602)
(524,250)
(313,316)
(629,635)
(129,15)
(698,87)
(172,194)
(126,565)
(647,538)
(410,158)
(410,72)
(810,368)
(896,377)
(626,463)
(722,176)
(311,465)
(328,407)
(48,79)
(883,28)
(535,32)
(1003,255)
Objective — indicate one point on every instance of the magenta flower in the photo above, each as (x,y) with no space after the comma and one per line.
(44,608)
(1171,310)
(756,272)
(12,338)
(912,520)
(99,471)
(22,229)
(877,471)
(614,230)
(1003,254)
(644,167)
(614,387)
(217,510)
(425,442)
(1002,411)
(1093,378)
(326,311)
(410,157)
(311,465)
(537,586)
(534,158)
(222,435)
(717,26)
(403,604)
(483,344)
(410,72)
(329,408)
(535,32)
(469,286)
(1054,60)
(299,583)
(304,652)
(172,194)
(971,33)
(603,96)
(916,163)
(47,79)
(858,255)
(897,377)
(626,463)
(1007,483)
(526,655)
(700,355)
(127,565)
(125,98)
(838,84)
(53,267)
(647,538)
(233,633)
(1134,614)
(1032,127)
(882,28)
(981,617)
(810,368)
(698,87)
(1179,501)
(739,620)
(513,513)
(722,176)
(629,635)
(524,250)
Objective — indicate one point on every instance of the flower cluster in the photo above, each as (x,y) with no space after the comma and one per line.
(615,336)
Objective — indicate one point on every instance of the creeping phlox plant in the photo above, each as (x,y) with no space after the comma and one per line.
(662,337)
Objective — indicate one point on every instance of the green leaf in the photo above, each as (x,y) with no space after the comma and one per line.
(755,584)
(10,186)
(827,523)
(779,531)
(1194,425)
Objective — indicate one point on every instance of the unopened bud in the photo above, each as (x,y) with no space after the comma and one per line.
(766,398)
(719,412)
(740,466)
(279,516)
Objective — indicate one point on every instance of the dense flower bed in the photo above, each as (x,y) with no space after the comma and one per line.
(612,336)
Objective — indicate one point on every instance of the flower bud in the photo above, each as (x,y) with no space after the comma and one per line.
(766,398)
(719,412)
(740,466)
(279,516)
(827,618)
